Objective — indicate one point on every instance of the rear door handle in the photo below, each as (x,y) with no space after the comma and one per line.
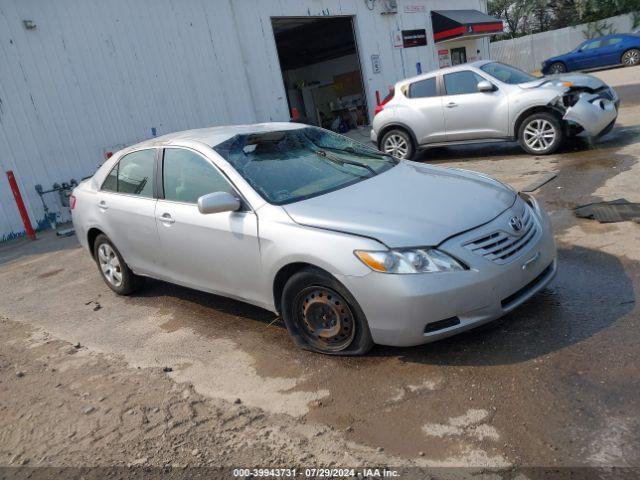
(166,219)
(102,205)
(452,105)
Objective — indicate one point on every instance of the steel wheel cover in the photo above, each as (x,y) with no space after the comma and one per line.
(396,145)
(110,265)
(539,135)
(325,319)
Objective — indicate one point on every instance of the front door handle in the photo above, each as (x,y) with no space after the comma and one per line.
(166,219)
(452,105)
(102,205)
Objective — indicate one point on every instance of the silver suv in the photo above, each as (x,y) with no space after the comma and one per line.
(489,101)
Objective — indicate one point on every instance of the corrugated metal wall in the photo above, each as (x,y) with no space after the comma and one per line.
(95,75)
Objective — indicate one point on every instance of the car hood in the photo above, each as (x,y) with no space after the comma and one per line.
(577,79)
(408,205)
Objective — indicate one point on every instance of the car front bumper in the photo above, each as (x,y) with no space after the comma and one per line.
(593,114)
(374,137)
(401,309)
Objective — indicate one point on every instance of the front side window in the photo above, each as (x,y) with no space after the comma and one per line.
(187,176)
(460,83)
(507,73)
(423,88)
(592,45)
(291,165)
(133,174)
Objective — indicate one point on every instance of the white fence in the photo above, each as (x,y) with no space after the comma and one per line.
(528,52)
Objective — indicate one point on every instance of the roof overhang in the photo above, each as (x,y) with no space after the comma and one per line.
(454,24)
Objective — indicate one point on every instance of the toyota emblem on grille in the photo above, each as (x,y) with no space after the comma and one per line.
(515,223)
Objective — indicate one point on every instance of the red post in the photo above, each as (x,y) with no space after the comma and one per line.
(21,208)
(296,114)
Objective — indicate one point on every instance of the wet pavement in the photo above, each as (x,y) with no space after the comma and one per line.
(554,383)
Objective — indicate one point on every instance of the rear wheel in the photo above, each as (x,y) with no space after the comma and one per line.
(540,134)
(631,57)
(321,315)
(398,143)
(557,67)
(115,272)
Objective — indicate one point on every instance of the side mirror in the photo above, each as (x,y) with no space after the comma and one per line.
(485,86)
(218,202)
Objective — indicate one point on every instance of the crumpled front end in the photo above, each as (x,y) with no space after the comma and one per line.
(589,111)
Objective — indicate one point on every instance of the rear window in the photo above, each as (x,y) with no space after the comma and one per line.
(292,165)
(423,88)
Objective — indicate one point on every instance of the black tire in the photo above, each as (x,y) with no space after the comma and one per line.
(545,123)
(126,282)
(630,58)
(311,292)
(398,143)
(557,67)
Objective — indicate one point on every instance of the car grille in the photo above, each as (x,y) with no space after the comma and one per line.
(605,92)
(501,247)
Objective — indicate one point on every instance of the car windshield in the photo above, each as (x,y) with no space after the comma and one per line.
(507,73)
(291,165)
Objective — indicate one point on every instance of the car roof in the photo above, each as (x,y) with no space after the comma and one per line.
(213,136)
(432,73)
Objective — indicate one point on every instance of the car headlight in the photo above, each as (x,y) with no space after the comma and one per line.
(409,260)
(530,200)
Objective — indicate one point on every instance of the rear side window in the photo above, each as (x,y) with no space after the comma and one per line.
(133,174)
(463,82)
(423,88)
(111,182)
(187,176)
(612,41)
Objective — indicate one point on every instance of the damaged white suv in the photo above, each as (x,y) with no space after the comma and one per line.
(487,101)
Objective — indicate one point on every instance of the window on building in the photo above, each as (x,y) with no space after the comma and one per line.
(463,82)
(423,88)
(187,176)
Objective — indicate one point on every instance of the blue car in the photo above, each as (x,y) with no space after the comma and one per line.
(618,49)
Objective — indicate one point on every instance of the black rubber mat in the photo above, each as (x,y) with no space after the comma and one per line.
(619,210)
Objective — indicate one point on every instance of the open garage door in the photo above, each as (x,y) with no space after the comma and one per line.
(321,71)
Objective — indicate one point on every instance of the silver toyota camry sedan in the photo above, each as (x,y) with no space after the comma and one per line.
(351,246)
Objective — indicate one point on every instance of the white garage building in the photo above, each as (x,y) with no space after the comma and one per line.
(81,78)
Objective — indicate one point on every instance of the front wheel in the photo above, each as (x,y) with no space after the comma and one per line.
(631,57)
(398,143)
(557,67)
(321,315)
(540,134)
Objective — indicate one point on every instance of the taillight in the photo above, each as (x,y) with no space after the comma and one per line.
(72,201)
(386,100)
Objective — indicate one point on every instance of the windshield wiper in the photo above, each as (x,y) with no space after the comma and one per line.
(353,151)
(342,161)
